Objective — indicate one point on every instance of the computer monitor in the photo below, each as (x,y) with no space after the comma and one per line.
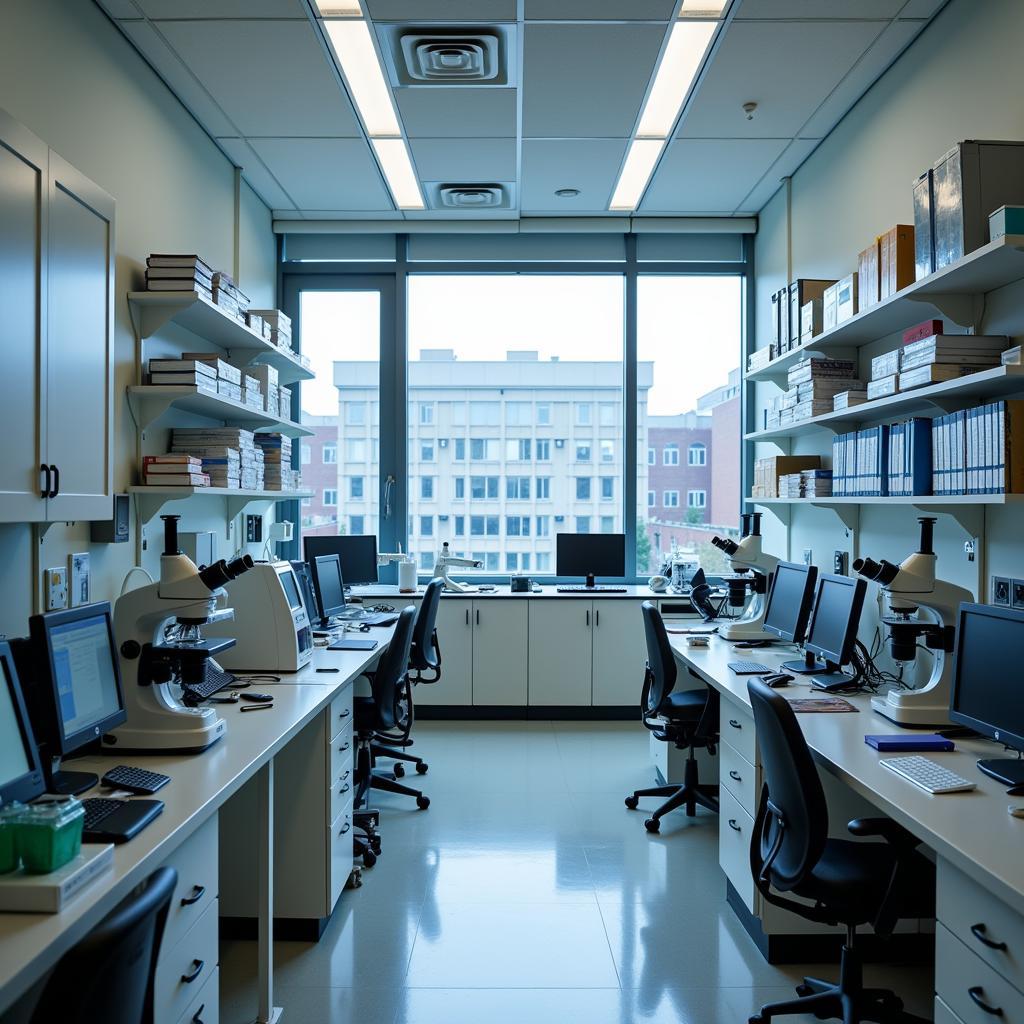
(986,667)
(304,576)
(833,628)
(70,669)
(328,585)
(21,775)
(358,555)
(789,601)
(590,555)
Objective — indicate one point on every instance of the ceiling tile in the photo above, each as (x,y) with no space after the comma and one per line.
(586,81)
(814,9)
(120,8)
(709,175)
(434,11)
(786,67)
(601,10)
(255,172)
(465,160)
(437,112)
(170,68)
(788,162)
(325,174)
(591,165)
(272,78)
(921,8)
(223,8)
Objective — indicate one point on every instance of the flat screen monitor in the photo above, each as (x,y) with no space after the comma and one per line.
(21,776)
(834,621)
(789,601)
(591,555)
(358,555)
(986,670)
(329,585)
(290,587)
(304,576)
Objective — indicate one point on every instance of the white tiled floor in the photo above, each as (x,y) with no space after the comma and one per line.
(527,893)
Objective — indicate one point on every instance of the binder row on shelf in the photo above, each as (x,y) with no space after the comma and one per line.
(860,463)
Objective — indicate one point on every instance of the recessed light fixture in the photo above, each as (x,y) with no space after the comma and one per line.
(398,170)
(339,8)
(354,48)
(702,8)
(567,193)
(679,66)
(643,155)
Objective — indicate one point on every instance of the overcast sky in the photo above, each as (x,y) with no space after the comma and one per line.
(689,327)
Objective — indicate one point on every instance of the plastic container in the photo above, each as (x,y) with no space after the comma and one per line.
(49,835)
(407,576)
(9,858)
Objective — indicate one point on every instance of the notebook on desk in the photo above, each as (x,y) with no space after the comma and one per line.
(352,644)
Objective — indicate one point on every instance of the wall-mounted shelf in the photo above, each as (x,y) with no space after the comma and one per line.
(152,310)
(150,499)
(150,401)
(955,292)
(951,395)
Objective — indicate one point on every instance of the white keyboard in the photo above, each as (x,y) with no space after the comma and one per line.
(927,774)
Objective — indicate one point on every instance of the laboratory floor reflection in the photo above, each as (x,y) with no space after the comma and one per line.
(527,893)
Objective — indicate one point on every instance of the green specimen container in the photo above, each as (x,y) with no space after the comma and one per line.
(50,835)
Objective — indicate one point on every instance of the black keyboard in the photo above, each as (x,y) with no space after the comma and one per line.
(748,668)
(216,679)
(590,590)
(135,780)
(117,821)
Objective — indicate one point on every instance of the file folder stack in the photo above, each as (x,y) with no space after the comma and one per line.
(860,463)
(910,457)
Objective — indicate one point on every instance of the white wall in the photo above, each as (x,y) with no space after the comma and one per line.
(957,81)
(70,77)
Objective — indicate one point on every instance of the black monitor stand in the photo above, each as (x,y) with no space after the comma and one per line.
(65,783)
(1007,770)
(591,581)
(810,666)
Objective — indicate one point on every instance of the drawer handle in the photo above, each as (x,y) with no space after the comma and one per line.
(978,931)
(975,993)
(735,775)
(198,892)
(344,789)
(734,826)
(344,747)
(345,774)
(735,724)
(197,969)
(345,713)
(344,828)
(196,1017)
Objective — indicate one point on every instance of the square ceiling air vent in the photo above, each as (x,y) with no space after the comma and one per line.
(472,55)
(472,197)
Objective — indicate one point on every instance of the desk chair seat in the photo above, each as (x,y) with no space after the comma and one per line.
(844,882)
(686,718)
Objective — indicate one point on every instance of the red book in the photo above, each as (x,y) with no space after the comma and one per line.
(925,329)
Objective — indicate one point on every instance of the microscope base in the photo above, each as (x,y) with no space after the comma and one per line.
(745,631)
(190,738)
(917,715)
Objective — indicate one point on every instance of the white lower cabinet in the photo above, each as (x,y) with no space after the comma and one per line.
(620,653)
(455,638)
(560,661)
(205,1006)
(500,647)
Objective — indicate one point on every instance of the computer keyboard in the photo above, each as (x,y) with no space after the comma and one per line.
(135,780)
(927,774)
(748,668)
(216,679)
(98,808)
(117,821)
(590,590)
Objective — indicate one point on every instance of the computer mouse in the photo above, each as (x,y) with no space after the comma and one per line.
(777,679)
(1017,810)
(1017,790)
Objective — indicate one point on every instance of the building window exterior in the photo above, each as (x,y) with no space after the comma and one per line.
(460,449)
(584,414)
(518,450)
(583,524)
(517,526)
(543,526)
(518,414)
(483,487)
(697,455)
(652,499)
(696,499)
(460,487)
(426,451)
(517,488)
(607,488)
(670,499)
(330,497)
(356,524)
(670,455)
(460,526)
(543,488)
(426,526)
(355,487)
(583,488)
(582,451)
(426,413)
(543,414)
(543,449)
(607,524)
(652,457)
(355,414)
(426,487)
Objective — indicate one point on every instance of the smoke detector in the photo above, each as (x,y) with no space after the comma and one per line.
(749,108)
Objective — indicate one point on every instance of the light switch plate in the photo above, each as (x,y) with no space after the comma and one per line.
(80,578)
(55,588)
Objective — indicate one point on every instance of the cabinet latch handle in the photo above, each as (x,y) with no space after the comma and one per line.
(197,969)
(734,826)
(198,891)
(978,931)
(975,993)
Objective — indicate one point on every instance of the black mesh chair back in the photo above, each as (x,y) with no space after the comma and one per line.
(108,976)
(425,654)
(795,798)
(661,665)
(388,678)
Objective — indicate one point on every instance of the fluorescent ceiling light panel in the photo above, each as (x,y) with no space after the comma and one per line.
(636,172)
(702,8)
(401,178)
(679,66)
(339,8)
(353,46)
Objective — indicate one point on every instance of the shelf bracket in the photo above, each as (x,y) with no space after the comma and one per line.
(147,410)
(236,506)
(781,512)
(848,515)
(965,310)
(148,505)
(971,518)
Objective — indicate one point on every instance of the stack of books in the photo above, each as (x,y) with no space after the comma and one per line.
(228,454)
(948,356)
(266,377)
(769,471)
(229,378)
(229,296)
(173,470)
(760,359)
(860,463)
(179,272)
(849,399)
(277,460)
(252,393)
(815,483)
(192,373)
(280,325)
(814,384)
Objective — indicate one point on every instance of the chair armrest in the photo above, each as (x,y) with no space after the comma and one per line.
(889,830)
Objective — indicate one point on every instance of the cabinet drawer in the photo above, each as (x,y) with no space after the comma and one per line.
(205,1008)
(739,776)
(196,863)
(340,712)
(341,855)
(977,918)
(737,729)
(342,790)
(969,987)
(342,754)
(183,970)
(944,1015)
(734,830)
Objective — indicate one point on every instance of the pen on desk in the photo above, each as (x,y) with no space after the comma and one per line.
(255,707)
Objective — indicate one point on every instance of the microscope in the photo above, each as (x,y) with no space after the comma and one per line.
(161,648)
(912,585)
(754,569)
(445,561)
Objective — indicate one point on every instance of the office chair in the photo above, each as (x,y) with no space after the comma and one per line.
(688,719)
(108,975)
(425,667)
(379,711)
(845,882)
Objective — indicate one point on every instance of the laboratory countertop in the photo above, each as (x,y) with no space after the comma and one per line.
(200,783)
(972,830)
(548,590)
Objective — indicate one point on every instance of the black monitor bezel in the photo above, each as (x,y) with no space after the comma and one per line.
(314,572)
(563,571)
(32,783)
(40,627)
(313,546)
(959,717)
(807,602)
(859,590)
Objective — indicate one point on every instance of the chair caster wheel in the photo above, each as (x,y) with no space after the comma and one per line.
(804,990)
(421,768)
(652,824)
(631,802)
(423,802)
(398,770)
(369,859)
(375,845)
(757,1019)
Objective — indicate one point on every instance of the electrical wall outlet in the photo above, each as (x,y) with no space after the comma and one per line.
(839,562)
(1017,593)
(253,529)
(80,578)
(55,588)
(808,556)
(1000,590)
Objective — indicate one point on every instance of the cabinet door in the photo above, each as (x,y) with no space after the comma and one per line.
(620,653)
(499,651)
(560,660)
(23,162)
(455,637)
(79,355)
